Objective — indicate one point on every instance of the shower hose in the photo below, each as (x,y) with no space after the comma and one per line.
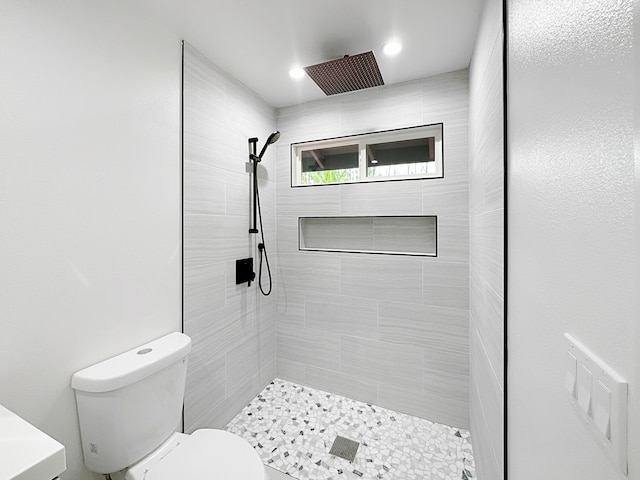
(262,250)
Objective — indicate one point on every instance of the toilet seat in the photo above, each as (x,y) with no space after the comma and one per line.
(205,454)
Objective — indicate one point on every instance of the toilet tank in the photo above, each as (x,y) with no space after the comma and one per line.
(130,404)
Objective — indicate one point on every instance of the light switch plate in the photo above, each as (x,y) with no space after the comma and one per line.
(602,412)
(584,389)
(570,375)
(605,385)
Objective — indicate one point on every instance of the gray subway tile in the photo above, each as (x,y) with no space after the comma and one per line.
(310,347)
(486,313)
(445,284)
(204,289)
(384,362)
(382,277)
(205,387)
(290,370)
(204,189)
(423,326)
(381,198)
(431,406)
(453,238)
(341,314)
(351,386)
(290,309)
(310,271)
(448,203)
(487,247)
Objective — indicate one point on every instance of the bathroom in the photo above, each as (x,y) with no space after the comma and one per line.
(95,202)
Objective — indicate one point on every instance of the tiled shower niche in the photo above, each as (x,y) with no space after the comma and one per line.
(394,235)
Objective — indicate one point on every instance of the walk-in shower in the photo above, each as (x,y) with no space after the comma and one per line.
(369,347)
(257,212)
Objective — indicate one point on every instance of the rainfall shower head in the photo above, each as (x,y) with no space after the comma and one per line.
(346,74)
(273,138)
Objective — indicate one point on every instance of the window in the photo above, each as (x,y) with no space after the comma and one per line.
(339,164)
(392,155)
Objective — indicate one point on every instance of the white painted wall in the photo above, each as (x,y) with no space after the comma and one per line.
(90,243)
(634,414)
(571,212)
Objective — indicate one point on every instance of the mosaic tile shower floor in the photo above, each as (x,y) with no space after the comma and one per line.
(293,428)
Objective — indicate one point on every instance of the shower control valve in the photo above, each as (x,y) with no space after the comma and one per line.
(244,271)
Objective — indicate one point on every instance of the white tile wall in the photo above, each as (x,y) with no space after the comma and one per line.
(383,277)
(445,284)
(310,347)
(382,198)
(341,314)
(391,363)
(329,301)
(488,393)
(309,271)
(329,321)
(486,262)
(232,326)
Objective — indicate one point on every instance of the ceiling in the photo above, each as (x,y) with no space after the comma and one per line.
(259,41)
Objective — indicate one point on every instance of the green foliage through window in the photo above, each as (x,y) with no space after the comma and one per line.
(322,177)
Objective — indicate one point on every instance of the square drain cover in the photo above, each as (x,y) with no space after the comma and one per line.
(344,448)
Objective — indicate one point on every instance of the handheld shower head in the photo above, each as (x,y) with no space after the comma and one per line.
(273,138)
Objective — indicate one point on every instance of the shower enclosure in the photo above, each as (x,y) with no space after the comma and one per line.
(392,331)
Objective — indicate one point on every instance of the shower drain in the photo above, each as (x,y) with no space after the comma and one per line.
(344,448)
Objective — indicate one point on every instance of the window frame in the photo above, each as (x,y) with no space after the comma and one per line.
(435,130)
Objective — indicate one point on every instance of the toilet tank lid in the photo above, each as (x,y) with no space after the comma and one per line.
(132,366)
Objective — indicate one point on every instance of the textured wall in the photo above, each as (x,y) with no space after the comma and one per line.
(390,330)
(89,199)
(486,245)
(571,214)
(232,326)
(634,419)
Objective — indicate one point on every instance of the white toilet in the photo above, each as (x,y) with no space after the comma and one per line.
(129,407)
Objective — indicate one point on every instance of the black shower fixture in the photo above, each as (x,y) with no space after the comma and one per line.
(273,138)
(255,159)
(257,213)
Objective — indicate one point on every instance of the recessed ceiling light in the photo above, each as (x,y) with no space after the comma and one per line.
(392,48)
(296,72)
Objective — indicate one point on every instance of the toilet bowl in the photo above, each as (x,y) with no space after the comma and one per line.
(206,453)
(129,408)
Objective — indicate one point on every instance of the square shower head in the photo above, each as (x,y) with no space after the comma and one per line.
(346,74)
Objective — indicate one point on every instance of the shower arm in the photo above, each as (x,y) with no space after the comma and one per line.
(254,159)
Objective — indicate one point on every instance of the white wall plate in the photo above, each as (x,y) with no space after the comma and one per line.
(599,397)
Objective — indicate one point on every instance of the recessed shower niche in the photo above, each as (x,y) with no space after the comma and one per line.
(392,235)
